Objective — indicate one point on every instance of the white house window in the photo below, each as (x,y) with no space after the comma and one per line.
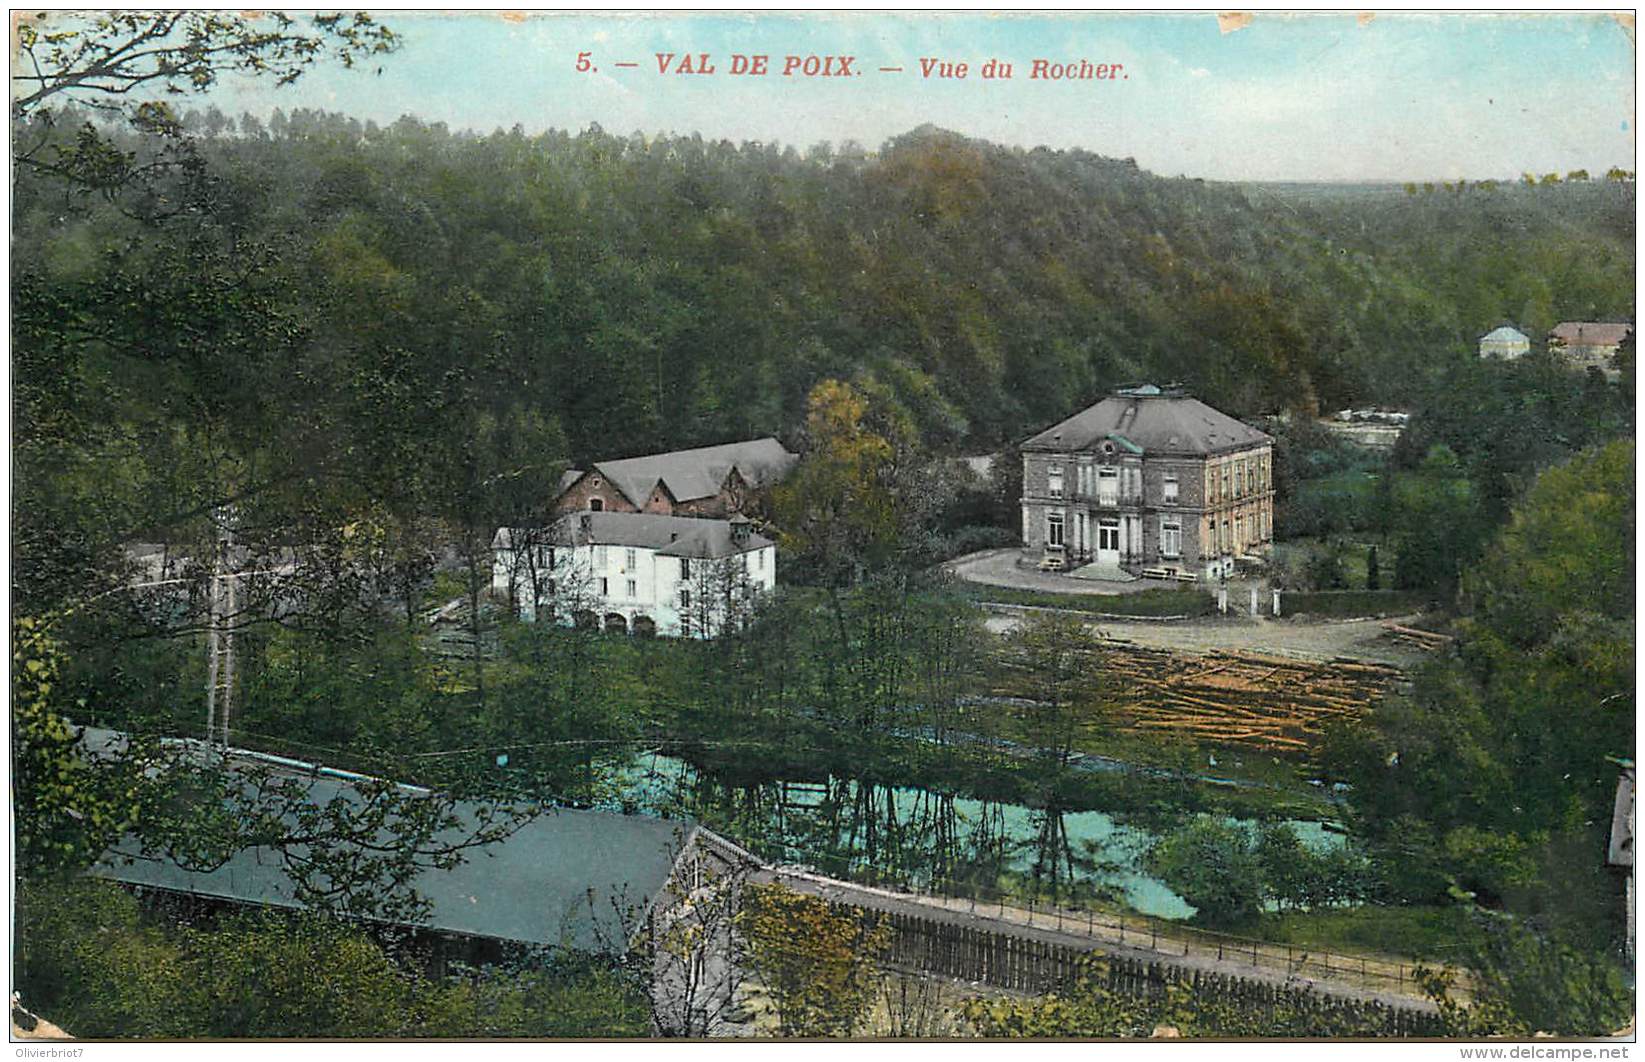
(1054,481)
(1170,537)
(599,556)
(759,560)
(605,586)
(1225,481)
(629,562)
(1239,480)
(1170,488)
(633,592)
(685,567)
(1108,535)
(685,598)
(1107,485)
(1053,529)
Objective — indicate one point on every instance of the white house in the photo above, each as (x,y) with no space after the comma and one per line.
(1504,344)
(640,573)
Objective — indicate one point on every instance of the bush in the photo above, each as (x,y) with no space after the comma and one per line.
(1350,603)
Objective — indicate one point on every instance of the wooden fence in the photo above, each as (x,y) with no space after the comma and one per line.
(1004,960)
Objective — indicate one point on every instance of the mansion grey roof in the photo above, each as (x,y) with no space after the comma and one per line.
(1149,420)
(669,536)
(699,473)
(552,882)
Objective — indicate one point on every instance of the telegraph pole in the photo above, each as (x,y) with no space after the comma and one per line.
(220,613)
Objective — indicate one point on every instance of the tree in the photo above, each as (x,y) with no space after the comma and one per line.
(1373,571)
(102,965)
(1053,662)
(105,59)
(688,953)
(818,963)
(1210,863)
(839,509)
(1528,980)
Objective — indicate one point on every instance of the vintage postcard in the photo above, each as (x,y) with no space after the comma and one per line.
(533,525)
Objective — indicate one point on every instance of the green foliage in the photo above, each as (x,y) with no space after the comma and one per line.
(66,811)
(1229,872)
(90,957)
(1529,980)
(818,963)
(1100,1003)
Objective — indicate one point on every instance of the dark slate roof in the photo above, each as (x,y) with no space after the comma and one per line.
(699,473)
(1147,419)
(533,887)
(670,536)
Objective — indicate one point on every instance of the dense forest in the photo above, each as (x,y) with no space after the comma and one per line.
(385,319)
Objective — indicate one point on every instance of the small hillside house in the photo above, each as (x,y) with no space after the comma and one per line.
(1504,344)
(639,573)
(711,481)
(1149,478)
(1585,344)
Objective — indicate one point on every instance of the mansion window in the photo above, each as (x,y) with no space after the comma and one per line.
(1107,486)
(605,586)
(1239,480)
(1170,488)
(685,598)
(596,504)
(1053,529)
(633,591)
(759,560)
(685,568)
(1170,537)
(599,556)
(1108,535)
(1055,481)
(628,560)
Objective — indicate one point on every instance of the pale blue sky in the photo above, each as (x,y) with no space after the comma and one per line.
(1403,96)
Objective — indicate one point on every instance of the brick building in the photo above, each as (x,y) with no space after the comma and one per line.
(710,481)
(1149,478)
(1589,344)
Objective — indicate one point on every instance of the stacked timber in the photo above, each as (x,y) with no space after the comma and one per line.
(1269,703)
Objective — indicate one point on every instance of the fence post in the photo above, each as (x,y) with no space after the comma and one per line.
(1122,929)
(1153,936)
(1090,922)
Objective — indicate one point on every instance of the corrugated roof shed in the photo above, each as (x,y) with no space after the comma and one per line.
(1147,419)
(552,882)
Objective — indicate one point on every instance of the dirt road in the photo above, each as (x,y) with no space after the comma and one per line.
(1350,639)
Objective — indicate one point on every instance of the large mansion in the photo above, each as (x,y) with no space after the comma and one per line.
(1149,478)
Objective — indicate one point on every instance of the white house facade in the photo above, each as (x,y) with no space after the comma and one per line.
(639,573)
